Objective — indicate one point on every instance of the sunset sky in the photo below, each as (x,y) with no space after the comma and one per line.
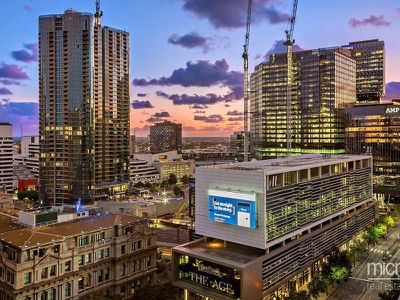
(186,62)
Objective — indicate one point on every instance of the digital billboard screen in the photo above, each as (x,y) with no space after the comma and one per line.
(232,208)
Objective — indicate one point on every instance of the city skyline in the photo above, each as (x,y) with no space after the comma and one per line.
(197,64)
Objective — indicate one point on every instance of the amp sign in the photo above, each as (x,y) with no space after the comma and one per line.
(232,208)
(393,110)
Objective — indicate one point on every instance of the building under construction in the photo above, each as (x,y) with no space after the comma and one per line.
(323,83)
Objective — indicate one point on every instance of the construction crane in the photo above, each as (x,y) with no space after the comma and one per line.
(289,43)
(245,56)
(98,13)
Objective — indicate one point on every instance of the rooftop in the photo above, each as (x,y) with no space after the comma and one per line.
(272,166)
(21,237)
(228,253)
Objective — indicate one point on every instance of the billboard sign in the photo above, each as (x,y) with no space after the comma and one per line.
(232,208)
(218,278)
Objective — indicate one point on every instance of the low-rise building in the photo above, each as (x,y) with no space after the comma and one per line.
(179,168)
(142,171)
(111,254)
(268,225)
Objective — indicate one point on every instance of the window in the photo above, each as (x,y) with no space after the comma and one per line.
(100,276)
(81,260)
(45,273)
(136,245)
(123,249)
(123,269)
(148,242)
(80,283)
(148,261)
(68,266)
(67,289)
(52,294)
(10,277)
(107,252)
(53,270)
(88,258)
(100,254)
(107,274)
(27,277)
(42,252)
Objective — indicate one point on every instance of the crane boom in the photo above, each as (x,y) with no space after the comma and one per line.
(289,43)
(245,56)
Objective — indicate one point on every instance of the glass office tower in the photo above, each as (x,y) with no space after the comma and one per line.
(370,61)
(323,84)
(83,109)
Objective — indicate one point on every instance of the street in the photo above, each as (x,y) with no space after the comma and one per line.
(364,286)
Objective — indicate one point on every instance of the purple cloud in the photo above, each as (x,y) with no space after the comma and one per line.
(5,91)
(235,119)
(200,112)
(202,100)
(27,55)
(198,106)
(278,47)
(137,104)
(9,82)
(376,21)
(201,74)
(234,113)
(12,72)
(209,119)
(141,95)
(28,8)
(392,90)
(163,114)
(233,13)
(154,120)
(20,113)
(191,40)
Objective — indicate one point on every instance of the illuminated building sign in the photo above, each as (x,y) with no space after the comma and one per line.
(393,110)
(232,208)
(222,279)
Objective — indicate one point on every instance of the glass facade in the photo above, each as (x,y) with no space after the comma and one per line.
(83,107)
(165,136)
(375,129)
(370,60)
(323,84)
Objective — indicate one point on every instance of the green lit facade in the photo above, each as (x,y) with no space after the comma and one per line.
(323,84)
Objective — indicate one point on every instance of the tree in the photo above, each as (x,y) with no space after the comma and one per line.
(299,295)
(172,179)
(165,184)
(317,286)
(139,184)
(185,179)
(388,221)
(31,195)
(372,235)
(338,274)
(177,191)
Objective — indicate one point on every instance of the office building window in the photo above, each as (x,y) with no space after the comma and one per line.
(27,277)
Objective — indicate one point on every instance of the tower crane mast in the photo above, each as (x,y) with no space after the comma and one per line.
(245,57)
(289,43)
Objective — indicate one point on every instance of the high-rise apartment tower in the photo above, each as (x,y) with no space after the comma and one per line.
(83,108)
(165,136)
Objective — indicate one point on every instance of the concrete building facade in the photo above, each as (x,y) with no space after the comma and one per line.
(268,224)
(107,254)
(6,157)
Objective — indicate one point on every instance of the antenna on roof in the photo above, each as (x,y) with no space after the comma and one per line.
(98,13)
